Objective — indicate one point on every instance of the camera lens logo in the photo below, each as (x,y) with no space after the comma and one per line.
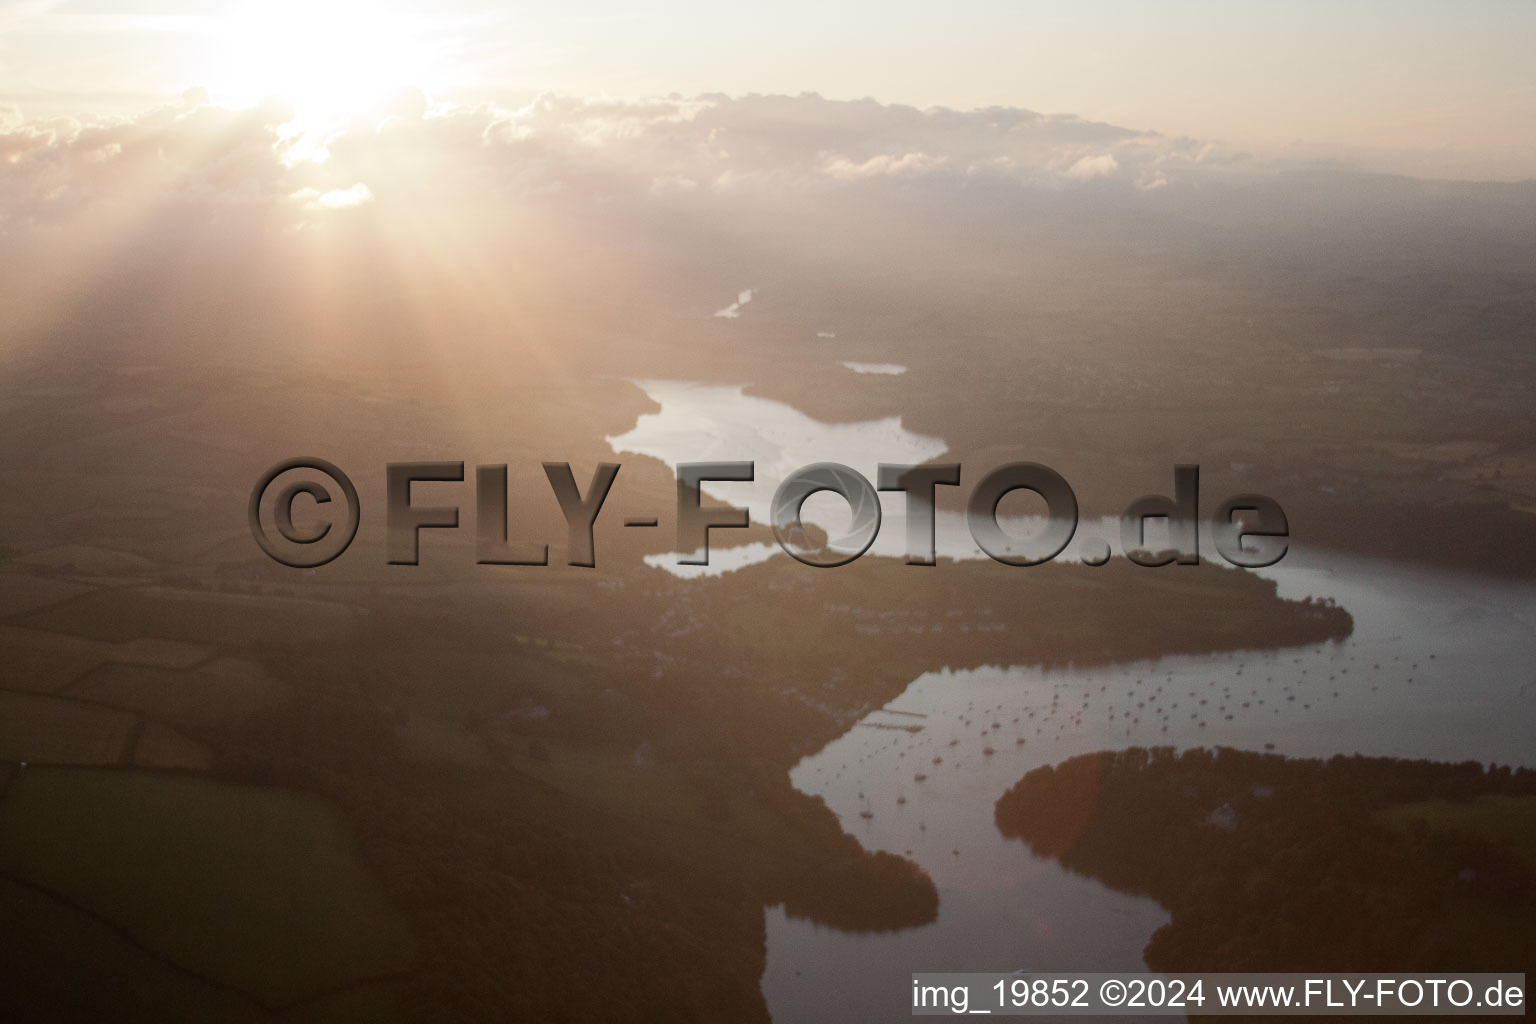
(863,502)
(304,548)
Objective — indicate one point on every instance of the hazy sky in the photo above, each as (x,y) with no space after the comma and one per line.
(1443,89)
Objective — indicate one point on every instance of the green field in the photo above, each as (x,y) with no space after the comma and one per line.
(225,690)
(46,662)
(56,730)
(203,898)
(124,614)
(64,964)
(160,746)
(88,561)
(21,592)
(1496,818)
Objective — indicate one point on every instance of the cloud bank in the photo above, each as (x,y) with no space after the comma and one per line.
(459,220)
(666,150)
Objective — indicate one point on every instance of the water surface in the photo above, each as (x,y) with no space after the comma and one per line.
(1440,666)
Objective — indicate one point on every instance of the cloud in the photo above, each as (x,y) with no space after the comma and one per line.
(907,165)
(466,219)
(733,311)
(52,171)
(673,185)
(882,369)
(335,199)
(675,150)
(1090,167)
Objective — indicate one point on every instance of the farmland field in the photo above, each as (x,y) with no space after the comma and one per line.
(253,890)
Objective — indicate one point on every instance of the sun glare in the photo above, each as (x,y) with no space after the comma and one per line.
(329,58)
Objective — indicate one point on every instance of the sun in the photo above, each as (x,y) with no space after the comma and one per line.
(329,58)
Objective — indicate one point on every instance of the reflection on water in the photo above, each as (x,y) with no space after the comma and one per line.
(885,369)
(714,423)
(1440,666)
(711,423)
